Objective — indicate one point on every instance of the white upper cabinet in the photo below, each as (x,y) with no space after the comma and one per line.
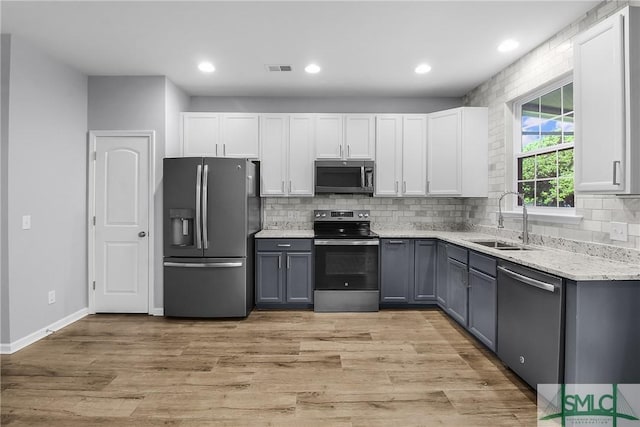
(274,135)
(200,134)
(240,135)
(343,137)
(607,104)
(360,137)
(388,172)
(220,135)
(329,136)
(401,153)
(287,149)
(301,153)
(457,157)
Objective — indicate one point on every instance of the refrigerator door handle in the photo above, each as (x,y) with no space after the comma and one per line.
(205,218)
(198,206)
(203,264)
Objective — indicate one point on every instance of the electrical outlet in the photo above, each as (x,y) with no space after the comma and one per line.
(26,222)
(52,297)
(619,231)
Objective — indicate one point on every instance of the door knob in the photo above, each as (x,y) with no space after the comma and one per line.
(142,234)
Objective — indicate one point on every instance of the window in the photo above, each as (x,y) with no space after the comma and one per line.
(544,147)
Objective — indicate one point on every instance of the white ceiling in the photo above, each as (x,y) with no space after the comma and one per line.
(364,48)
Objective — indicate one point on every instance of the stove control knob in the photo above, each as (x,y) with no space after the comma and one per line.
(360,215)
(366,215)
(323,215)
(317,215)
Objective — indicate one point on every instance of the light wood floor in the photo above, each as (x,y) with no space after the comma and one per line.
(275,368)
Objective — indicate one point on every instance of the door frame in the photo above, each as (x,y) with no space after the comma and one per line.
(91,210)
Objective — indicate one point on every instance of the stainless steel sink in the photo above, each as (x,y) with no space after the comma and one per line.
(502,246)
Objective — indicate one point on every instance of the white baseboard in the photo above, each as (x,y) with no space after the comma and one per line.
(156,311)
(41,333)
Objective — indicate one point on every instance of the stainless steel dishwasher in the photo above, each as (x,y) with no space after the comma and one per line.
(531,323)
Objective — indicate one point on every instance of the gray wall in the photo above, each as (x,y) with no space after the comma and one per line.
(47,175)
(138,103)
(4,147)
(321,105)
(177,101)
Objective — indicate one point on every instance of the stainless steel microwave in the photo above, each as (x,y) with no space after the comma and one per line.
(344,176)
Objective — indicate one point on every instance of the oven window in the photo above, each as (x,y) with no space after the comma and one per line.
(346,267)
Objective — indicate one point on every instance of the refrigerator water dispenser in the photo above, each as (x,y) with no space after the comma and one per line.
(181,226)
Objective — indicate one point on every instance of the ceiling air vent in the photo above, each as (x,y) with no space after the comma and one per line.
(278,68)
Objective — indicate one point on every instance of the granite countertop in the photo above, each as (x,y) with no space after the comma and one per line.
(565,264)
(285,234)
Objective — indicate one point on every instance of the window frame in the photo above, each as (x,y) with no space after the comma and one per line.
(516,108)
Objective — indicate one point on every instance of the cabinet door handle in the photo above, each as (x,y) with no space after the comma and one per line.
(404,186)
(224,150)
(396,187)
(616,163)
(290,187)
(396,242)
(282,187)
(284,245)
(216,150)
(348,150)
(340,148)
(288,263)
(279,262)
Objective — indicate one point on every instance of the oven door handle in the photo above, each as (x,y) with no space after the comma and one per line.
(346,242)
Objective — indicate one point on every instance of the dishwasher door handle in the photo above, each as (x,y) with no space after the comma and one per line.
(528,280)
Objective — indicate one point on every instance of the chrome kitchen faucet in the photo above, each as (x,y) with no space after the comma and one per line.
(525,217)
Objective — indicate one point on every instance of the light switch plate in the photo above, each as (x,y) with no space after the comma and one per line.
(26,222)
(619,231)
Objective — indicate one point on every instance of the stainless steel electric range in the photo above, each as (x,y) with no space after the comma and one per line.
(346,261)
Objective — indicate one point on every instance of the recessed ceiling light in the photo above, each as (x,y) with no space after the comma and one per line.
(423,69)
(206,67)
(312,69)
(508,45)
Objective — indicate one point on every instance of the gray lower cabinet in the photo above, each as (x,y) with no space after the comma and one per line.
(407,271)
(284,273)
(483,299)
(457,290)
(441,275)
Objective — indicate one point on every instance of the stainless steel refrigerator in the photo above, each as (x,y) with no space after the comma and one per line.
(212,210)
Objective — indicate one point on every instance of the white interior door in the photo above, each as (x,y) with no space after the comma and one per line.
(121,232)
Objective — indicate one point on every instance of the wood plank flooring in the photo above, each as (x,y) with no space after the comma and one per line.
(275,368)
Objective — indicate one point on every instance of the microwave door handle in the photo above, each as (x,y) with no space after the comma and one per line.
(362,176)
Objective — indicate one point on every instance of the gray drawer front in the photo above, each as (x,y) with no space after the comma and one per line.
(482,263)
(457,253)
(284,244)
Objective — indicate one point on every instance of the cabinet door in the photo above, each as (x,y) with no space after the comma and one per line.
(483,307)
(269,277)
(444,153)
(396,270)
(240,135)
(457,290)
(200,134)
(414,155)
(359,136)
(388,154)
(441,282)
(424,286)
(599,107)
(299,274)
(274,132)
(301,150)
(329,136)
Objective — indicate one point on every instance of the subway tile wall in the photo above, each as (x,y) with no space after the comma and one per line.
(296,213)
(551,60)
